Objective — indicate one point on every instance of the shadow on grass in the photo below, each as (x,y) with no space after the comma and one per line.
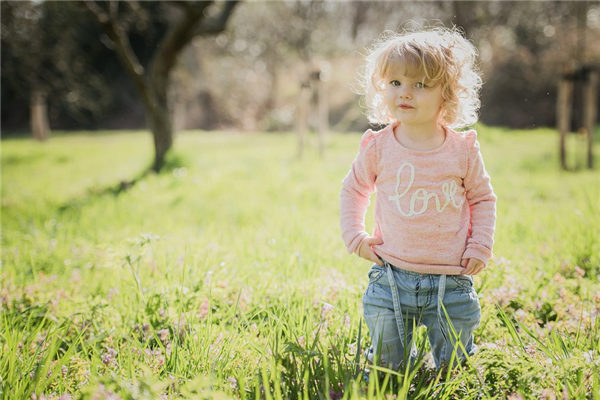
(172,162)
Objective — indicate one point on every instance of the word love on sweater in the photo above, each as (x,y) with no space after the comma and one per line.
(420,198)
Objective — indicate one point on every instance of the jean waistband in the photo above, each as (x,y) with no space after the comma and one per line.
(405,271)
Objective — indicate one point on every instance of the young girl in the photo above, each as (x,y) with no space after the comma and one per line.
(435,209)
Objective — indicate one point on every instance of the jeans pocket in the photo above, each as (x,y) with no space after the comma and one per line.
(375,273)
(463,281)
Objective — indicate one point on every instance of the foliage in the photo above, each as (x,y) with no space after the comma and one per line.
(524,48)
(43,50)
(225,277)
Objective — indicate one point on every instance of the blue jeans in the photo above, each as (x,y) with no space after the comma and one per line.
(397,300)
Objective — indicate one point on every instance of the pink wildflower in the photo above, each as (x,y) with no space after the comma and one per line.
(163,335)
(326,309)
(203,312)
(108,358)
(548,394)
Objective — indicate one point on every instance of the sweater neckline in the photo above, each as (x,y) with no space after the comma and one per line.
(438,149)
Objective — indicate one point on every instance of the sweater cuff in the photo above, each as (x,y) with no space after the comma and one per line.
(478,252)
(356,242)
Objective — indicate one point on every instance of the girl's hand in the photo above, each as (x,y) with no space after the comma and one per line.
(472,266)
(366,251)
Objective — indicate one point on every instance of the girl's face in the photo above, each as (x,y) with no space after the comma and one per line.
(412,101)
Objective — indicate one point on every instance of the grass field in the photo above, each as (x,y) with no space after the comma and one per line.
(225,276)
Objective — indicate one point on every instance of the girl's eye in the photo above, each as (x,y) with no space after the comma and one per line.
(420,85)
(395,83)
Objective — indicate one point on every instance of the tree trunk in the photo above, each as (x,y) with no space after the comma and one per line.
(159,115)
(322,111)
(39,115)
(563,116)
(162,132)
(302,113)
(359,17)
(590,104)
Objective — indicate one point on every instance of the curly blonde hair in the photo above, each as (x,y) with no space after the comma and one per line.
(438,55)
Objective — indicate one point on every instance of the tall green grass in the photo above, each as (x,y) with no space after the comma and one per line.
(225,276)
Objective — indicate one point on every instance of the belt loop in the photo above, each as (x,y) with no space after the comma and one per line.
(395,300)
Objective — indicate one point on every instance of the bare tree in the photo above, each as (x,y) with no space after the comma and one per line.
(197,18)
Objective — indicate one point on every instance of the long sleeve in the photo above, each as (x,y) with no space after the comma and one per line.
(482,204)
(357,187)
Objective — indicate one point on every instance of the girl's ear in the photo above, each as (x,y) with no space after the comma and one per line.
(441,119)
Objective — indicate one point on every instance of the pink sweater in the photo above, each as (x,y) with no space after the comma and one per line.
(432,209)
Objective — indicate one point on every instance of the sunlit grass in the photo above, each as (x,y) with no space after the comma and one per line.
(225,276)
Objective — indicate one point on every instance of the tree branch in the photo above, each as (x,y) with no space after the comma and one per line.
(178,36)
(184,31)
(122,46)
(217,24)
(187,5)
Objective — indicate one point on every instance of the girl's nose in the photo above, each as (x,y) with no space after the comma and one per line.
(404,92)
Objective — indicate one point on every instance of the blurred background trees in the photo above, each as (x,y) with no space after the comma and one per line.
(48,58)
(249,76)
(55,47)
